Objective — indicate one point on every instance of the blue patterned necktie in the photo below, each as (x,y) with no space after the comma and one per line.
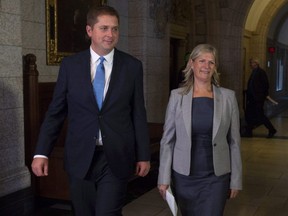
(99,82)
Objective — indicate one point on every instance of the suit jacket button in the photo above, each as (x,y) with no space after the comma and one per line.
(214,144)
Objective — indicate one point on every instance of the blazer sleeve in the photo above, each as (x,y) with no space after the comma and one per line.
(167,143)
(234,141)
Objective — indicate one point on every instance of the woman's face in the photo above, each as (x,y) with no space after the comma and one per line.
(203,67)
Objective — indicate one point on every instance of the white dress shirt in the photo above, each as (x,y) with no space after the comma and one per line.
(108,63)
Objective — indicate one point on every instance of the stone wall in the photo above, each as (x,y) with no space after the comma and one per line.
(150,42)
(34,37)
(14,174)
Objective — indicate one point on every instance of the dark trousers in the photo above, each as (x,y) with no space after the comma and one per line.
(100,193)
(255,116)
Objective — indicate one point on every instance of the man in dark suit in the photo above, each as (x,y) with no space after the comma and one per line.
(256,94)
(105,143)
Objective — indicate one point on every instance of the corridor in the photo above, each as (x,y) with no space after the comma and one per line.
(265,179)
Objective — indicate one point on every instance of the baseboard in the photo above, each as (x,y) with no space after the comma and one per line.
(20,203)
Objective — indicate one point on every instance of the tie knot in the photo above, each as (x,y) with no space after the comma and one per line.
(102,59)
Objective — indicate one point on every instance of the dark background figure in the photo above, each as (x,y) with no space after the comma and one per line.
(106,142)
(256,94)
(71,25)
(79,38)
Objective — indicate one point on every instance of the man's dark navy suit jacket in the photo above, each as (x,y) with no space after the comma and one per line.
(122,119)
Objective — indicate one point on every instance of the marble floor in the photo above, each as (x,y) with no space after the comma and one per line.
(265,179)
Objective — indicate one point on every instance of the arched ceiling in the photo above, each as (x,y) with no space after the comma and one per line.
(255,13)
(278,29)
(283,33)
(279,26)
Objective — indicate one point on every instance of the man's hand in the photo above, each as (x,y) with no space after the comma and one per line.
(40,166)
(142,168)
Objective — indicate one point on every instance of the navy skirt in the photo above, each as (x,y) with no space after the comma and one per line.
(202,193)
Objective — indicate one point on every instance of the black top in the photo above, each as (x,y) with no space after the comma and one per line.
(202,127)
(202,115)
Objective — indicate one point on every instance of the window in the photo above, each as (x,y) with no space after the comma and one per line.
(280,69)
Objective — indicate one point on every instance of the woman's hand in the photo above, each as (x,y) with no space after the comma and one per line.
(162,190)
(233,193)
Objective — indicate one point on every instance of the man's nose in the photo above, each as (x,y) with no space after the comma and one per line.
(110,32)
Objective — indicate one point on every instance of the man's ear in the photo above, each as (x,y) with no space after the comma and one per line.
(89,30)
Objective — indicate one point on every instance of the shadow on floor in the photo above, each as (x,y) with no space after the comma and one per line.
(136,188)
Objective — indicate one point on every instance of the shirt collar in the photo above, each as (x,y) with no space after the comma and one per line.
(95,56)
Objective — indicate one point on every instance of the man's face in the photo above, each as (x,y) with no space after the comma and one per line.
(253,64)
(104,34)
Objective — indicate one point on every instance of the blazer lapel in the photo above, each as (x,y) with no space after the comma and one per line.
(186,111)
(218,107)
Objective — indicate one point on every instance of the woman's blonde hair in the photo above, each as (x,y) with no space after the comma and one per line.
(200,49)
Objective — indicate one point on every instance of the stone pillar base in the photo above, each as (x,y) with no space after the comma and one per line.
(14,180)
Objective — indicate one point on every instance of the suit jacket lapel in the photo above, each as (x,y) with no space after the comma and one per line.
(218,107)
(116,71)
(186,112)
(86,75)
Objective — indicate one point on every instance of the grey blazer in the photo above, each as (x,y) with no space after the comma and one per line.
(176,142)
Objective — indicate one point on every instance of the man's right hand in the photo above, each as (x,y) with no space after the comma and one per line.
(40,166)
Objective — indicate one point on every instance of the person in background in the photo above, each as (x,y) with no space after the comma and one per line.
(271,100)
(200,155)
(107,139)
(256,94)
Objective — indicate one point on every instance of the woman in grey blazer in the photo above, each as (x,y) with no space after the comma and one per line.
(200,154)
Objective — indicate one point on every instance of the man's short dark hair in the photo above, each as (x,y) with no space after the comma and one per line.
(96,11)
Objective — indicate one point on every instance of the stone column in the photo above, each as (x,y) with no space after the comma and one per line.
(14,175)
